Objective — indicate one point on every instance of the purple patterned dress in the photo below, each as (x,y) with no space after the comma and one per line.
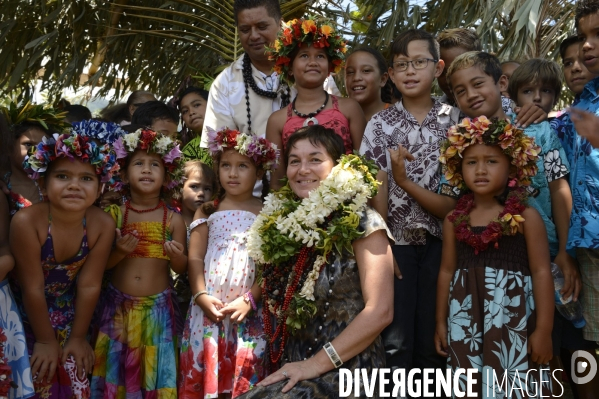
(60,286)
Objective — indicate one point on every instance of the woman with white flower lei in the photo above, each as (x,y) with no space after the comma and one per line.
(326,267)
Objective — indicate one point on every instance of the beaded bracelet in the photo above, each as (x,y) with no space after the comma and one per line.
(196,295)
(249,298)
(332,353)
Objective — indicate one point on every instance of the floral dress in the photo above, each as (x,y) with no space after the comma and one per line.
(12,337)
(223,357)
(60,288)
(491,317)
(339,300)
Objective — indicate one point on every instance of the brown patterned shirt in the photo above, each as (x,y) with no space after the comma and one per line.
(407,220)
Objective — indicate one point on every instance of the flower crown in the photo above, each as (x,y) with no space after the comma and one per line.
(72,146)
(311,31)
(48,117)
(151,141)
(105,132)
(264,153)
(520,148)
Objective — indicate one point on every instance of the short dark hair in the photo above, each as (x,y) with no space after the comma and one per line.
(318,135)
(151,111)
(273,8)
(489,64)
(383,69)
(192,89)
(584,8)
(536,70)
(116,113)
(459,37)
(77,113)
(566,43)
(400,44)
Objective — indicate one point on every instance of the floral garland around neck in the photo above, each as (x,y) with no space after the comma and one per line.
(291,240)
(505,224)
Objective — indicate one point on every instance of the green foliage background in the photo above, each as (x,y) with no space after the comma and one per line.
(155,44)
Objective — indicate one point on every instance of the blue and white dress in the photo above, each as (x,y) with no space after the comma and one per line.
(15,351)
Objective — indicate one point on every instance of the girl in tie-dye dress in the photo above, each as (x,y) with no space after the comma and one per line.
(136,349)
(223,339)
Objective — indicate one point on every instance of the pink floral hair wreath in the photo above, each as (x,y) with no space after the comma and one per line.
(520,148)
(72,146)
(151,141)
(264,153)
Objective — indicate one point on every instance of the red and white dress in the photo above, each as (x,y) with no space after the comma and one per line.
(223,357)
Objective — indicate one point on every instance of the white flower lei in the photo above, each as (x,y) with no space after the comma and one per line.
(344,184)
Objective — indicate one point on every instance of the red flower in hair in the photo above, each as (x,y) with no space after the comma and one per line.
(146,139)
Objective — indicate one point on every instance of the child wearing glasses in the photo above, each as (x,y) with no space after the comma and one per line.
(404,141)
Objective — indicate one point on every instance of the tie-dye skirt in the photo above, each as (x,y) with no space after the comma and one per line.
(136,349)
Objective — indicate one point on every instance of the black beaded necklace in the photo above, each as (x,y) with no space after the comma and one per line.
(311,116)
(249,81)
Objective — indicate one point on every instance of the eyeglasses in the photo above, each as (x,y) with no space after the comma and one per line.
(420,63)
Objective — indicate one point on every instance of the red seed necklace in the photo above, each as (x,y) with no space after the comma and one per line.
(280,311)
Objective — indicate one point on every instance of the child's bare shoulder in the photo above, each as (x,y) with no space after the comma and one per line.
(97,223)
(34,214)
(278,116)
(177,220)
(99,218)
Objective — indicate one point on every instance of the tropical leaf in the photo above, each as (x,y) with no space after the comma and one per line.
(155,44)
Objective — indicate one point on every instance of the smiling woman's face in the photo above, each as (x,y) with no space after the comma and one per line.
(307,166)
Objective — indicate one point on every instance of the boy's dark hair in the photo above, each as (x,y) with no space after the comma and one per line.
(489,64)
(400,44)
(192,89)
(77,113)
(132,127)
(151,111)
(584,8)
(272,7)
(383,69)
(536,70)
(318,135)
(115,113)
(459,37)
(566,43)
(510,62)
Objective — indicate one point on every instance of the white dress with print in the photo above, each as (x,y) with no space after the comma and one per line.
(223,357)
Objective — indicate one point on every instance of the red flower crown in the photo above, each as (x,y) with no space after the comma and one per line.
(309,31)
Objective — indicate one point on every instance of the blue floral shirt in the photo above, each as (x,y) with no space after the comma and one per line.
(552,165)
(584,173)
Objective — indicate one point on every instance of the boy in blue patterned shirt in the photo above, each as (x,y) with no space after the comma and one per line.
(580,140)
